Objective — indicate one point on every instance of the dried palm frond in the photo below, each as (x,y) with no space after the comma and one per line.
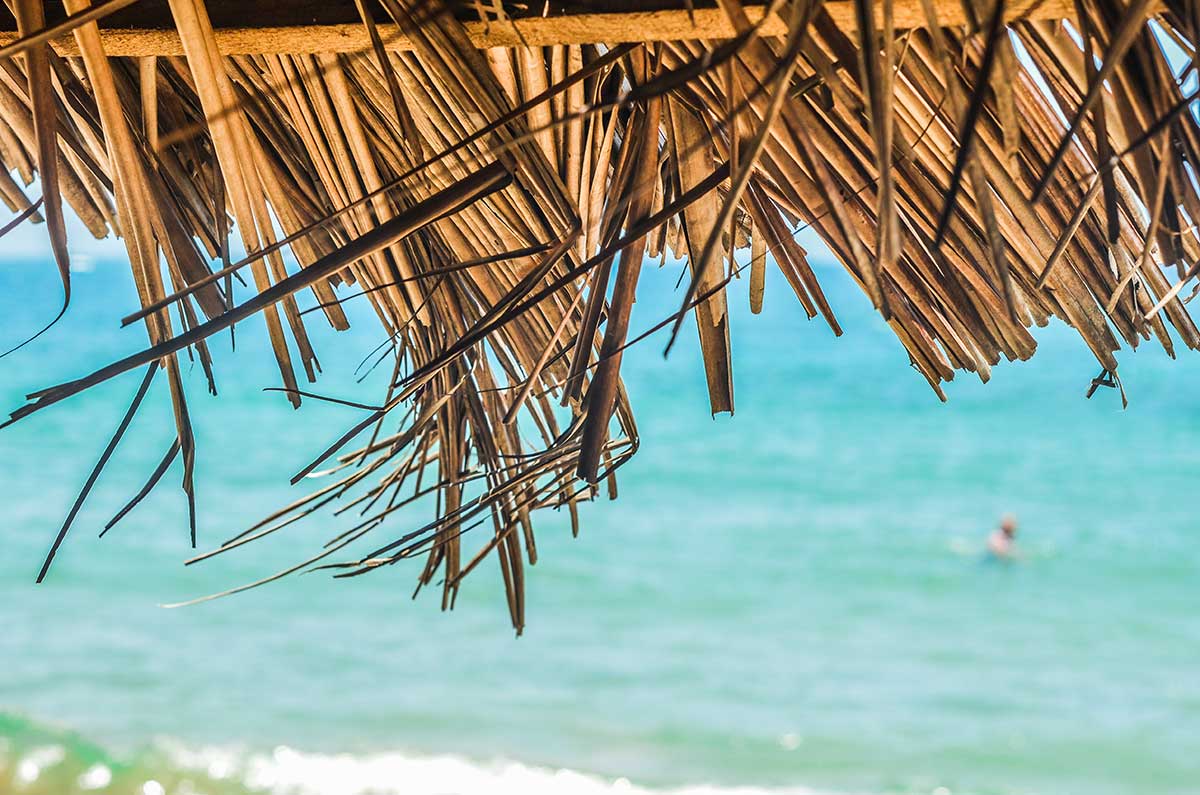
(490,180)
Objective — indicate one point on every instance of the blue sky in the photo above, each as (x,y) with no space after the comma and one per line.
(29,240)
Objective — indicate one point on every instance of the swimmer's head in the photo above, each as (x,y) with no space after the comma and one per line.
(1008,525)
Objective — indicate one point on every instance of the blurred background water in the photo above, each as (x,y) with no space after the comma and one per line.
(790,600)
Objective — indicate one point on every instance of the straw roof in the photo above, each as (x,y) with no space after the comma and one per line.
(492,175)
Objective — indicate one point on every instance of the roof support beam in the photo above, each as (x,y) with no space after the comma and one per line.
(608,28)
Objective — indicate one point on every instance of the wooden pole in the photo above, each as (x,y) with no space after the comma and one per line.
(607,28)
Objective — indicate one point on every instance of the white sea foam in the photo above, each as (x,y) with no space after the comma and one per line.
(286,771)
(30,768)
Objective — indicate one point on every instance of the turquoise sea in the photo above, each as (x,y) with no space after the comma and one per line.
(793,600)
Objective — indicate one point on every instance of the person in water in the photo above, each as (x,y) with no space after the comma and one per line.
(1002,542)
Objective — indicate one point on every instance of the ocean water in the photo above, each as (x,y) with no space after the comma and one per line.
(792,600)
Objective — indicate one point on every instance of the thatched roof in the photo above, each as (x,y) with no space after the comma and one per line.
(477,168)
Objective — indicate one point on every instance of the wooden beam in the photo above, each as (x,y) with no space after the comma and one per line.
(600,28)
